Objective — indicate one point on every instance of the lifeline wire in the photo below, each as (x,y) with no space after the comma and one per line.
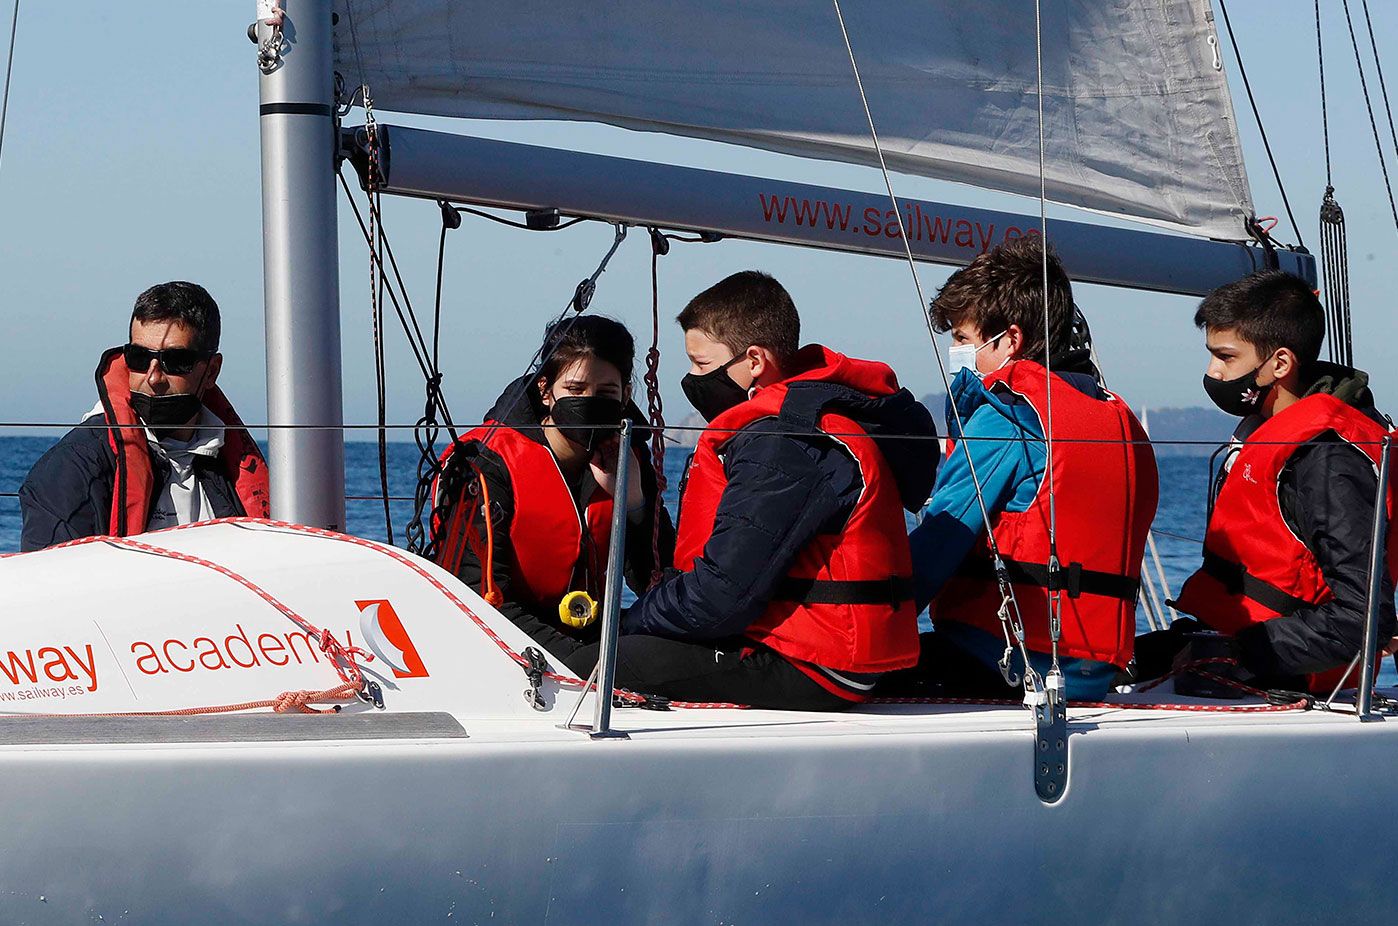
(266,426)
(1007,590)
(9,72)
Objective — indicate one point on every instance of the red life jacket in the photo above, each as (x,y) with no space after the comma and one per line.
(846,602)
(1255,569)
(134,489)
(551,553)
(1106,493)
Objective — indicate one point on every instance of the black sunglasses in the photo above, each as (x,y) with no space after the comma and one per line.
(175,361)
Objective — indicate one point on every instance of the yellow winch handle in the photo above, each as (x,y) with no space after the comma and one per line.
(577,609)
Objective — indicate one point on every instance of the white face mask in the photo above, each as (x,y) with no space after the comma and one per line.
(963,356)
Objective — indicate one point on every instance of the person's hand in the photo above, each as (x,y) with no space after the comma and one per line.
(1391,648)
(603,465)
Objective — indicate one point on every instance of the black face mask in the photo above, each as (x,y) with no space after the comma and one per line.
(714,392)
(173,410)
(1241,396)
(586,420)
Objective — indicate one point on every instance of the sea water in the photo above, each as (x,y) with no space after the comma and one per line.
(1179,519)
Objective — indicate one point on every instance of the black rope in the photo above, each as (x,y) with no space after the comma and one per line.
(428,360)
(1373,123)
(447,489)
(411,328)
(418,354)
(1267,145)
(1383,85)
(577,305)
(376,290)
(1324,107)
(419,539)
(655,405)
(9,72)
(511,222)
(381,381)
(1334,262)
(1334,246)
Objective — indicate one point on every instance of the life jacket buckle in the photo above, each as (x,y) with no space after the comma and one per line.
(1066,579)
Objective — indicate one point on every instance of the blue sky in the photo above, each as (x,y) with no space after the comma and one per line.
(131,157)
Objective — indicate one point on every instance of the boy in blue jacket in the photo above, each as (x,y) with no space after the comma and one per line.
(1105,486)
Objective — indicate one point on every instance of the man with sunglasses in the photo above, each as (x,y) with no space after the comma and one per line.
(162,446)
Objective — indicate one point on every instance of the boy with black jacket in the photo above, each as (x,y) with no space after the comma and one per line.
(1286,555)
(794,581)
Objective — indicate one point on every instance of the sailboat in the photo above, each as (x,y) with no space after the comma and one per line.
(148,776)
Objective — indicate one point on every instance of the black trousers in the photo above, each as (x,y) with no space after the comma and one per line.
(737,671)
(945,670)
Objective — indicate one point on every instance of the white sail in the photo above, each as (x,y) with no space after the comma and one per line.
(1138,117)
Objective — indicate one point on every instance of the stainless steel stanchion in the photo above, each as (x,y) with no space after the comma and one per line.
(611,602)
(1365,701)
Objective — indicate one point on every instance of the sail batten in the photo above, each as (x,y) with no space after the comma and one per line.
(1138,120)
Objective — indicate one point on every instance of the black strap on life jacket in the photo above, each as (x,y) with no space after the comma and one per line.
(806,400)
(894,591)
(1238,581)
(1072,578)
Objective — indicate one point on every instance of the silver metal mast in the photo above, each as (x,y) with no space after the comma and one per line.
(301,266)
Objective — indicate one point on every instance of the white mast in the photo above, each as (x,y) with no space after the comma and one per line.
(301,264)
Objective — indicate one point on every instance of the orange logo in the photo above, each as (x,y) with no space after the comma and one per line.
(384,633)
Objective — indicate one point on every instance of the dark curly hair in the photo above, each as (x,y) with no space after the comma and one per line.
(1005,287)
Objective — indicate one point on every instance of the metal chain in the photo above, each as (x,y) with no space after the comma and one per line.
(376,284)
(655,404)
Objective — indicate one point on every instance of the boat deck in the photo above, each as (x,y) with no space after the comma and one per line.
(23,732)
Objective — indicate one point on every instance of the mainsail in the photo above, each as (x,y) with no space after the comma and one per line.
(1138,120)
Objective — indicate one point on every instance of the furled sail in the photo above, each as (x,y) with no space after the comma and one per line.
(1139,122)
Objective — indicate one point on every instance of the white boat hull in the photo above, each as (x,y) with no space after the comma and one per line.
(882,819)
(460,802)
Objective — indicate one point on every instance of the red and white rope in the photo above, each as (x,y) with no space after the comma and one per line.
(341,656)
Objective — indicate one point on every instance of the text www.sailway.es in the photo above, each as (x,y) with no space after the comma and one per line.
(57,664)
